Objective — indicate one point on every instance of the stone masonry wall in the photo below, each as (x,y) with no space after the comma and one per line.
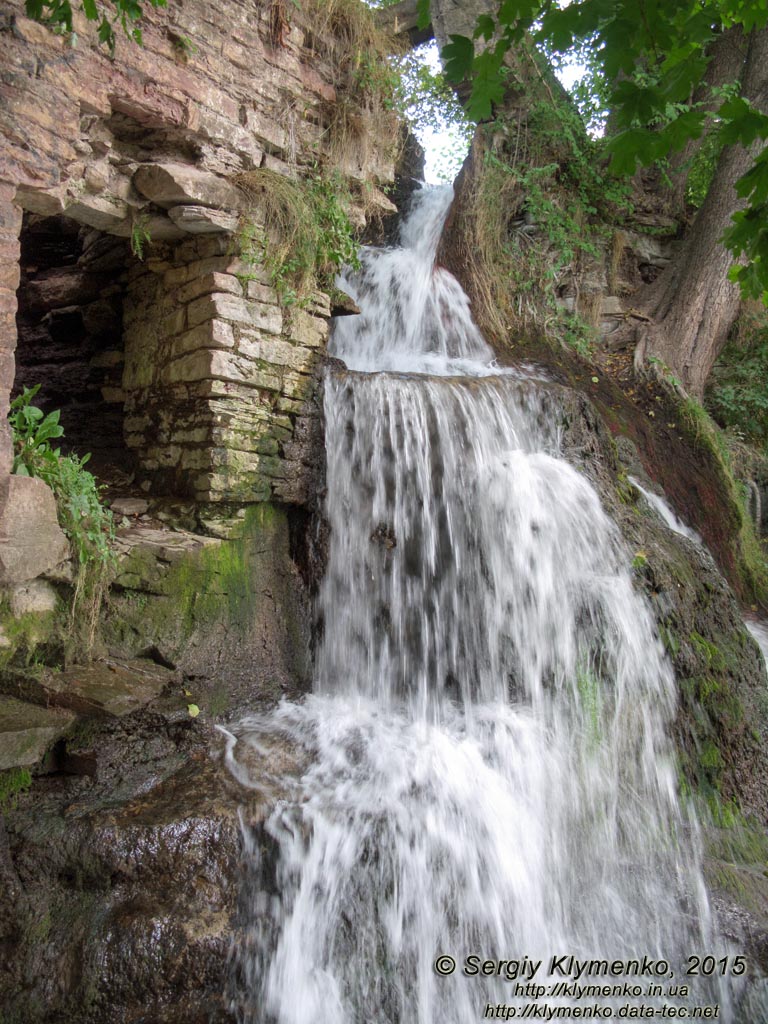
(217,377)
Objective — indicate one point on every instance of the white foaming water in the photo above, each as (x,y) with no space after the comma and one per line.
(488,768)
(414,316)
(759,630)
(667,513)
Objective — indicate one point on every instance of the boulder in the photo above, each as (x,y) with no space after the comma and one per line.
(37,597)
(172,184)
(202,220)
(31,540)
(104,689)
(27,731)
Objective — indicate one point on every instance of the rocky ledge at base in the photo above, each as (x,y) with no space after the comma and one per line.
(118,889)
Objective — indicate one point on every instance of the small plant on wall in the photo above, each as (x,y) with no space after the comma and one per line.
(299,231)
(82,516)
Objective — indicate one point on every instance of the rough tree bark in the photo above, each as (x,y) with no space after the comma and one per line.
(725,66)
(693,305)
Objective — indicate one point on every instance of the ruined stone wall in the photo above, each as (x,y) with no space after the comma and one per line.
(217,376)
(219,379)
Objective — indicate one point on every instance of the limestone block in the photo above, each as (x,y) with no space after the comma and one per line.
(48,202)
(158,227)
(146,555)
(173,184)
(202,220)
(219,365)
(211,334)
(308,330)
(31,541)
(27,731)
(261,292)
(279,353)
(237,309)
(130,506)
(209,283)
(98,212)
(266,129)
(297,385)
(33,598)
(108,689)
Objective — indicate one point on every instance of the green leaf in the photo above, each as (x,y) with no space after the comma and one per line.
(106,34)
(629,147)
(485,27)
(487,87)
(741,122)
(91,13)
(637,104)
(34,9)
(423,14)
(458,57)
(674,136)
(193,710)
(755,182)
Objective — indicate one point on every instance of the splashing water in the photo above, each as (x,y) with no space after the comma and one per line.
(667,513)
(487,765)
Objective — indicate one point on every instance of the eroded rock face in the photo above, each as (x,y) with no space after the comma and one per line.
(31,540)
(119,892)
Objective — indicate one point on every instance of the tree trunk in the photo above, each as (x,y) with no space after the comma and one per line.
(693,304)
(726,62)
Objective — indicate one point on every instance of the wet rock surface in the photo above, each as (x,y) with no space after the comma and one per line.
(119,890)
(26,731)
(722,715)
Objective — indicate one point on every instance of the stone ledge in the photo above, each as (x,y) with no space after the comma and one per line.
(27,731)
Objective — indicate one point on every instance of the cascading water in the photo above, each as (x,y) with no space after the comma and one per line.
(667,513)
(487,769)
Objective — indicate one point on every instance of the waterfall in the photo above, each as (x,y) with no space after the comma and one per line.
(483,767)
(667,513)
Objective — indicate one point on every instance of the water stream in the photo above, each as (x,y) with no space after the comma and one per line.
(486,762)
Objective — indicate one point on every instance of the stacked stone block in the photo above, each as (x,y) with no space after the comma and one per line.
(219,379)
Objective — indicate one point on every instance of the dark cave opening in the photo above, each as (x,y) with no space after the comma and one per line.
(70,336)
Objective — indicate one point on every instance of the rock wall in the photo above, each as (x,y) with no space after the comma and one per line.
(143,147)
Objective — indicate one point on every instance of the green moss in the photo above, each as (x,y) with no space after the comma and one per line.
(219,577)
(30,636)
(669,639)
(588,687)
(215,590)
(751,564)
(13,782)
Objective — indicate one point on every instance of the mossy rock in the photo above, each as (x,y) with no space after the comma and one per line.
(230,613)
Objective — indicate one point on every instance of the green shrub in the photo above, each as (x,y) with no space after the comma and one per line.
(737,395)
(86,522)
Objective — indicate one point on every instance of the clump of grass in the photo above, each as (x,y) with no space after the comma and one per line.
(298,230)
(364,116)
(13,782)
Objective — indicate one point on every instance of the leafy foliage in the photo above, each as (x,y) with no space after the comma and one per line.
(541,207)
(140,235)
(654,61)
(737,395)
(58,14)
(82,516)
